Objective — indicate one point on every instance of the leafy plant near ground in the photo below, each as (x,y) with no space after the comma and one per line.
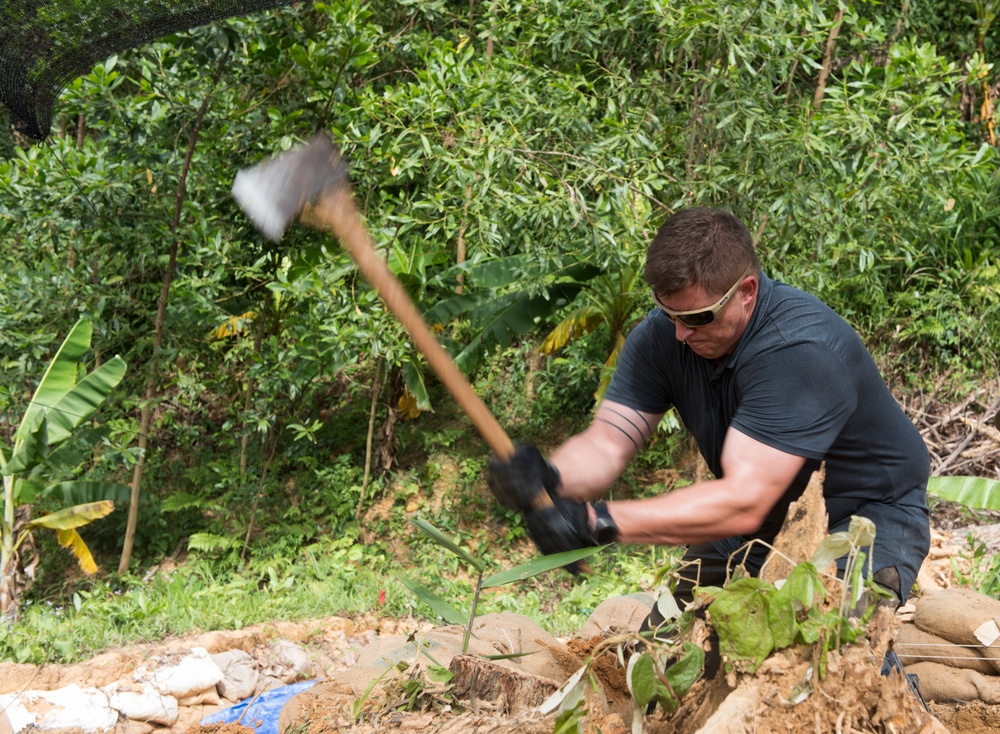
(518,573)
(43,453)
(975,492)
(753,619)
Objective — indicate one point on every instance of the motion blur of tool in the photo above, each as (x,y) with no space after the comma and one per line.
(311,183)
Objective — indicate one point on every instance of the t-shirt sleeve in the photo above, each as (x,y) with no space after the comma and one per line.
(638,381)
(796,400)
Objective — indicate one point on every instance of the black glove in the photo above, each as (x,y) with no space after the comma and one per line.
(516,483)
(565,526)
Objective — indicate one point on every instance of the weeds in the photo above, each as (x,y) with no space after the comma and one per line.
(519,573)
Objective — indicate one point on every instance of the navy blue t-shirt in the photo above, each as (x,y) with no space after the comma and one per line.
(801,381)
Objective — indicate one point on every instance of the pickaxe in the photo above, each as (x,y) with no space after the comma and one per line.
(311,183)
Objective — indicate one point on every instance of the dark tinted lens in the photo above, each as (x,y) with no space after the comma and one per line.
(702,318)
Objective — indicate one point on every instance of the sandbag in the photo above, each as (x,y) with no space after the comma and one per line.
(442,644)
(946,684)
(964,617)
(67,707)
(617,615)
(195,673)
(913,645)
(146,705)
(239,675)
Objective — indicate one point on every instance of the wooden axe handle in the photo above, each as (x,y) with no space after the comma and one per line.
(336,213)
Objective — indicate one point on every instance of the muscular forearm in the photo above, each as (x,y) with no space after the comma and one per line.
(754,478)
(695,514)
(587,467)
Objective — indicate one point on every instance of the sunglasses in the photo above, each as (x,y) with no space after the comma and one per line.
(699,316)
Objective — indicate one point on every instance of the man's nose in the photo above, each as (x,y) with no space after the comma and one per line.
(681,331)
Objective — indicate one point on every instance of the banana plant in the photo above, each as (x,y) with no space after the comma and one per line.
(612,299)
(974,492)
(41,445)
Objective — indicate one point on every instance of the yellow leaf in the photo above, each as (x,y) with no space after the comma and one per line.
(609,369)
(149,176)
(74,517)
(233,325)
(581,321)
(407,405)
(71,539)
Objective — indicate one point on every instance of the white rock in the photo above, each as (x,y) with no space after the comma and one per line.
(72,706)
(147,705)
(195,673)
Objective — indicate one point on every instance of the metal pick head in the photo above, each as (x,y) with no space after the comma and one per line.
(273,192)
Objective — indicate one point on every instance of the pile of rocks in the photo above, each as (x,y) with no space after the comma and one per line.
(170,687)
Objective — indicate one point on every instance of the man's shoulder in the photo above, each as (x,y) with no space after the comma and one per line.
(792,315)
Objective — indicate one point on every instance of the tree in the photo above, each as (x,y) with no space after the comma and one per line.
(32,467)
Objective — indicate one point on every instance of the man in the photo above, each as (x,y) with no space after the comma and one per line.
(770,382)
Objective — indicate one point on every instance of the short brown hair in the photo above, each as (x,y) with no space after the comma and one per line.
(700,246)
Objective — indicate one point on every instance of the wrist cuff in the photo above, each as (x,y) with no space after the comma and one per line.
(605,529)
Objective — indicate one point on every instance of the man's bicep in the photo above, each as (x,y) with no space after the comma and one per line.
(763,472)
(797,405)
(628,427)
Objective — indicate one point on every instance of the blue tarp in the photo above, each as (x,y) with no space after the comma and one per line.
(260,714)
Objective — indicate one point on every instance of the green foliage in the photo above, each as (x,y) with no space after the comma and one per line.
(983,566)
(523,151)
(34,467)
(754,618)
(975,492)
(649,681)
(532,568)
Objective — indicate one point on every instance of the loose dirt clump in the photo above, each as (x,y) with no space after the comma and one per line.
(605,668)
(972,717)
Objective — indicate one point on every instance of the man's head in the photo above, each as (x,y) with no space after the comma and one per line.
(704,273)
(706,247)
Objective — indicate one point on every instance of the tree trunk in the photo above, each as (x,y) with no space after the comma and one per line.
(460,244)
(251,384)
(824,72)
(161,311)
(376,385)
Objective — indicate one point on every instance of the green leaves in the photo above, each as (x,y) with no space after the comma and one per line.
(754,618)
(439,606)
(740,615)
(445,542)
(63,401)
(60,404)
(978,492)
(539,565)
(446,611)
(647,682)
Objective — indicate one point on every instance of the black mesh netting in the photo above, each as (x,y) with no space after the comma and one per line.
(45,44)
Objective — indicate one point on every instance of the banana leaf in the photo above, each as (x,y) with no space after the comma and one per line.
(539,565)
(976,492)
(74,517)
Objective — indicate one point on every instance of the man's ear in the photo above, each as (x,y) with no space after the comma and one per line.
(748,289)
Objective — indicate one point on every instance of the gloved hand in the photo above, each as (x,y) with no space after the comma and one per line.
(562,527)
(566,526)
(516,482)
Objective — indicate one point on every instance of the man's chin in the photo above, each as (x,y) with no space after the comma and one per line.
(702,350)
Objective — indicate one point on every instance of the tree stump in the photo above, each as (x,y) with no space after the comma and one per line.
(512,691)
